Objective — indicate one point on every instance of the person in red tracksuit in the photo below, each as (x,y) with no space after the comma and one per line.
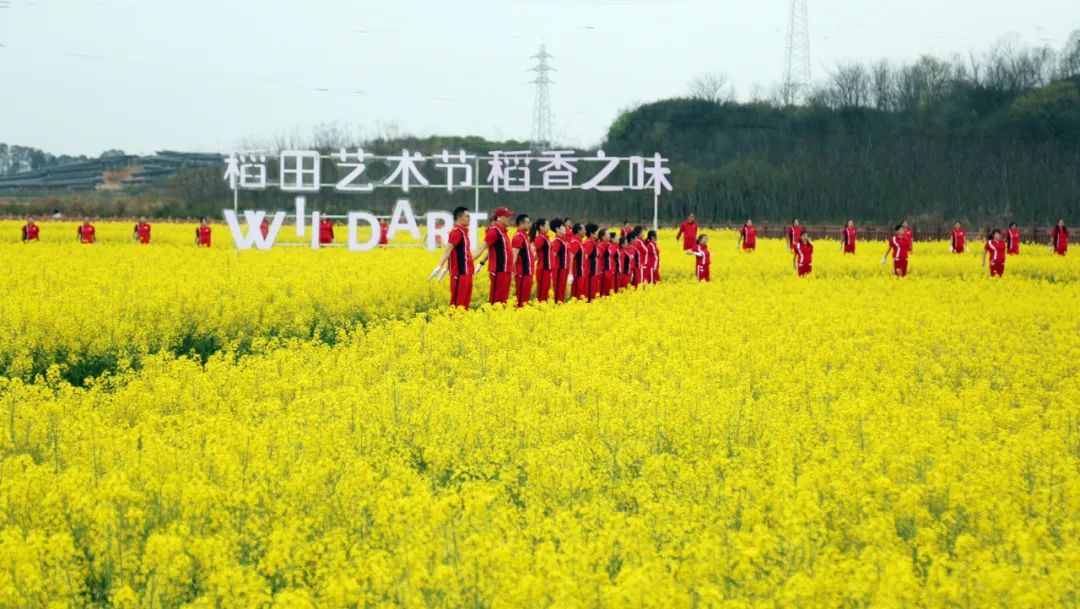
(560,255)
(793,233)
(704,258)
(625,230)
(384,232)
(626,264)
(748,237)
(326,231)
(847,237)
(909,235)
(1012,239)
(30,231)
(652,243)
(688,232)
(496,246)
(264,228)
(642,258)
(900,248)
(141,233)
(86,232)
(1059,238)
(804,255)
(576,262)
(591,253)
(202,233)
(459,254)
(611,264)
(603,243)
(957,243)
(544,261)
(996,247)
(522,255)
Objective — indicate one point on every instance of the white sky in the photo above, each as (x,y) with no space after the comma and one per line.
(82,76)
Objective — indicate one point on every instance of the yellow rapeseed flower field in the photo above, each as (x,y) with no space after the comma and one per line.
(845,440)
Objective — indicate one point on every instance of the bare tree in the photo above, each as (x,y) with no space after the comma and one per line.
(882,86)
(850,86)
(1069,59)
(713,86)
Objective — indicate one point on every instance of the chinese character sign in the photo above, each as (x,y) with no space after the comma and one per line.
(511,171)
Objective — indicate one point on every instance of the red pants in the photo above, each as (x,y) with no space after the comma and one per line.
(607,283)
(997,269)
(653,275)
(635,276)
(849,248)
(1061,249)
(748,248)
(560,285)
(899,268)
(461,291)
(622,281)
(702,273)
(500,288)
(523,285)
(804,269)
(543,285)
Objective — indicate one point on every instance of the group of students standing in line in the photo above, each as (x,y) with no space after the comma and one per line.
(562,259)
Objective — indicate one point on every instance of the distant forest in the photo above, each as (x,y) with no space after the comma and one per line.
(985,138)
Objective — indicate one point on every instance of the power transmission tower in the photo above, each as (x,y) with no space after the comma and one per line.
(541,134)
(796,54)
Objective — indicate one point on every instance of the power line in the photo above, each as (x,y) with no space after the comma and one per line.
(796,81)
(541,134)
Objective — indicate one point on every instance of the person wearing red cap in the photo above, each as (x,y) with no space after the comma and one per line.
(521,252)
(459,253)
(496,245)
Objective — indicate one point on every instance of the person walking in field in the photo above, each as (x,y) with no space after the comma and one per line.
(458,253)
(202,233)
(748,237)
(496,245)
(909,235)
(652,244)
(141,233)
(847,237)
(803,260)
(522,254)
(30,231)
(956,239)
(996,248)
(384,232)
(688,231)
(264,228)
(793,233)
(900,249)
(326,231)
(560,251)
(1012,240)
(86,232)
(704,258)
(544,261)
(1059,238)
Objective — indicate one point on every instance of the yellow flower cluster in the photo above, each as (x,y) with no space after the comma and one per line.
(758,441)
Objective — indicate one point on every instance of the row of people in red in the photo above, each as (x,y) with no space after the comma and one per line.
(86,233)
(326,231)
(562,259)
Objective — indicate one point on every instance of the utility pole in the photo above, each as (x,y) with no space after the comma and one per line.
(796,82)
(541,133)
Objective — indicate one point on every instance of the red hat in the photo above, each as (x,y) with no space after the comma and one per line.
(503,211)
